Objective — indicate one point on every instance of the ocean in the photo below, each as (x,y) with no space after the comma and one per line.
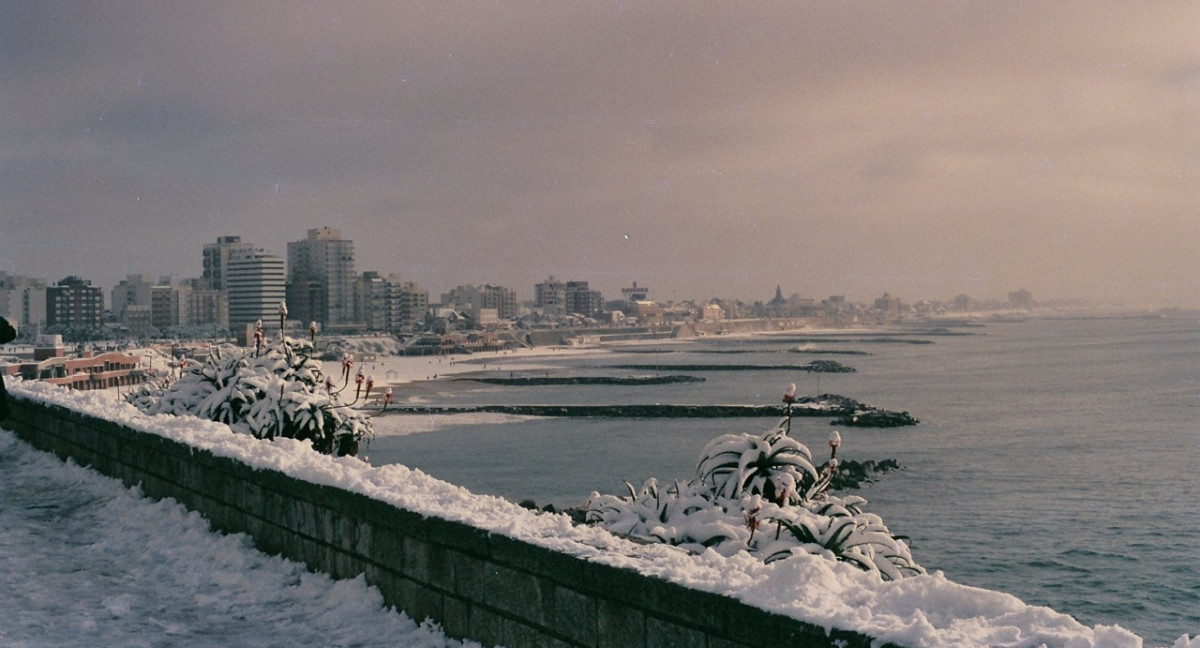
(1056,459)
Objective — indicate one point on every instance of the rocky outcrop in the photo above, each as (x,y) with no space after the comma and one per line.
(875,418)
(853,474)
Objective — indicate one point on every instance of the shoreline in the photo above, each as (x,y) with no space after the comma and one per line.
(401,371)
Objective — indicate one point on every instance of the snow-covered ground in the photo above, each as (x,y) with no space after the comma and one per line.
(397,371)
(920,611)
(86,562)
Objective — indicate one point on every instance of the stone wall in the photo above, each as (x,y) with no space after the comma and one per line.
(477,585)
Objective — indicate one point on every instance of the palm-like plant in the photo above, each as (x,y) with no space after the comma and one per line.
(274,391)
(773,465)
(760,494)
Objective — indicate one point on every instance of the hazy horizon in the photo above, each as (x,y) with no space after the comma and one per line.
(924,149)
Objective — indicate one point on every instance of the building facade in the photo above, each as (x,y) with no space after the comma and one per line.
(216,259)
(23,301)
(321,278)
(550,296)
(256,282)
(133,290)
(207,306)
(580,299)
(488,296)
(406,306)
(74,302)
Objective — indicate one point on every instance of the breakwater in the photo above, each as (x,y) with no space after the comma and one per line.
(816,366)
(540,381)
(603,411)
(847,411)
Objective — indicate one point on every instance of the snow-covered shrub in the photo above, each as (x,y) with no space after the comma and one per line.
(773,465)
(684,514)
(760,494)
(278,391)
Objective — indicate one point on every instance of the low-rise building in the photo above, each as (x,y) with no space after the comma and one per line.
(88,371)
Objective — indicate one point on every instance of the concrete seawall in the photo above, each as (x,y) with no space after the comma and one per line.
(478,585)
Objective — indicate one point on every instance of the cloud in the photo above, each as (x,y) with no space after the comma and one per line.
(944,146)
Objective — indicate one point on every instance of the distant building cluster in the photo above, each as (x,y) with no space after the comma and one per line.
(242,284)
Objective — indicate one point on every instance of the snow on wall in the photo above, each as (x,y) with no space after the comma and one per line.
(919,611)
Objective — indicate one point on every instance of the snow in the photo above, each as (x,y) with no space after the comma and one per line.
(89,562)
(398,371)
(923,611)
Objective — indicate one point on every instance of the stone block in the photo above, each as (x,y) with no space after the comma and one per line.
(665,634)
(558,567)
(429,564)
(759,627)
(487,627)
(619,626)
(574,616)
(420,602)
(456,617)
(363,536)
(458,536)
(525,596)
(387,548)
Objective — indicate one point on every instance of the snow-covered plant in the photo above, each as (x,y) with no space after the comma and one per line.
(684,514)
(278,391)
(773,465)
(760,494)
(842,530)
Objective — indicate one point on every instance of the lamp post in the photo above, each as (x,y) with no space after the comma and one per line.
(282,317)
(789,397)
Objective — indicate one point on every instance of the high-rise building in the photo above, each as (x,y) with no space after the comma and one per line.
(74,302)
(169,303)
(370,300)
(406,306)
(216,259)
(550,295)
(257,284)
(133,290)
(321,278)
(206,306)
(390,305)
(23,300)
(579,299)
(475,298)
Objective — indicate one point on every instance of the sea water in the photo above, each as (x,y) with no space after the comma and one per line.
(1056,460)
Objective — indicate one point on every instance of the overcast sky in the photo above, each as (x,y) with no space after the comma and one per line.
(923,148)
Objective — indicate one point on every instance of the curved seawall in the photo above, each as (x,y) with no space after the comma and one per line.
(479,585)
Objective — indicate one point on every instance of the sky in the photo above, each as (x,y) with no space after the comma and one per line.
(926,149)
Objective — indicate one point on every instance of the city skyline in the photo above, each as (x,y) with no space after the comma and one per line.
(523,295)
(924,149)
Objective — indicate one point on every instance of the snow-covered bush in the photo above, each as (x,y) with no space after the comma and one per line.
(277,391)
(773,465)
(760,494)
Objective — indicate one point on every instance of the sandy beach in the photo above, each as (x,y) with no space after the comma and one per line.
(398,371)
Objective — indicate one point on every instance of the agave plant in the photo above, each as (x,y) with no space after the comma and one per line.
(843,531)
(276,391)
(759,494)
(683,515)
(773,465)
